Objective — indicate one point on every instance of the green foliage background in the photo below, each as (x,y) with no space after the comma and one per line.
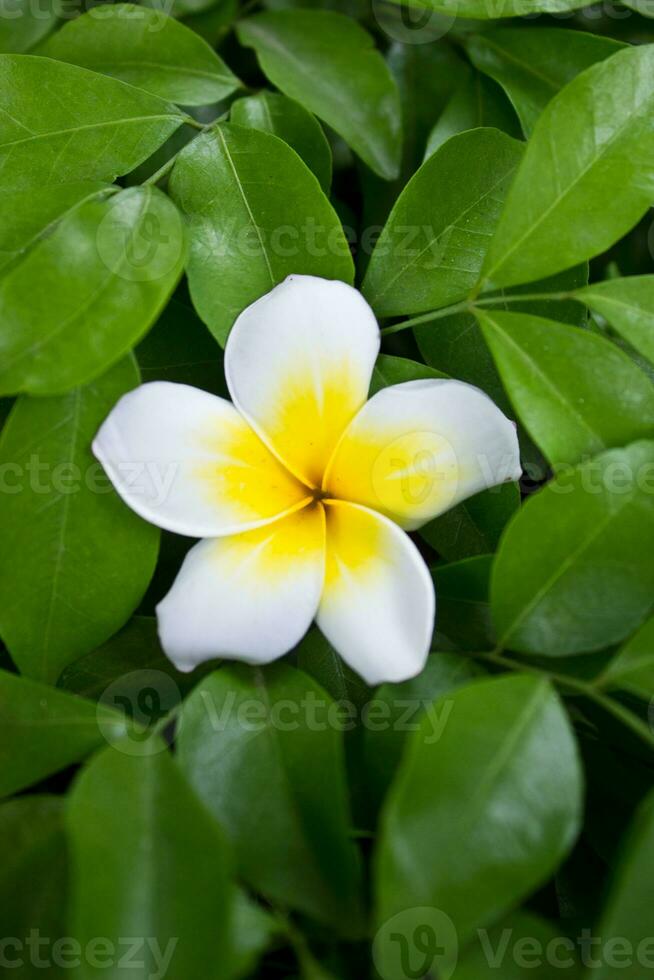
(484,171)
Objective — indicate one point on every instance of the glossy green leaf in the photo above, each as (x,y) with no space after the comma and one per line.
(391,370)
(473,527)
(23,24)
(248,234)
(576,392)
(492,9)
(288,119)
(259,751)
(104,270)
(75,560)
(575,568)
(594,134)
(644,7)
(532,66)
(628,305)
(147,49)
(64,123)
(143,849)
(33,878)
(477,102)
(317,657)
(328,63)
(45,730)
(433,245)
(632,668)
(480,817)
(627,916)
(397,710)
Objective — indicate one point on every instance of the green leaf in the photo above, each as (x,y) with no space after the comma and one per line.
(246,233)
(288,119)
(463,612)
(628,305)
(477,102)
(147,49)
(143,851)
(491,9)
(45,730)
(32,884)
(522,946)
(316,657)
(644,7)
(130,656)
(632,668)
(63,123)
(576,392)
(473,527)
(327,62)
(75,560)
(254,930)
(397,710)
(432,247)
(479,818)
(627,916)
(391,370)
(179,348)
(594,135)
(259,751)
(575,568)
(23,24)
(532,66)
(105,271)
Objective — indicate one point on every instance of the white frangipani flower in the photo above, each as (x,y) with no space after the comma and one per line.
(301,489)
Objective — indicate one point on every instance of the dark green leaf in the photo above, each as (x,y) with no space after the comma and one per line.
(632,668)
(23,24)
(480,817)
(433,245)
(575,568)
(628,305)
(473,527)
(576,392)
(396,710)
(33,878)
(490,9)
(596,133)
(144,850)
(396,370)
(75,560)
(63,123)
(45,730)
(316,657)
(259,750)
(627,917)
(247,233)
(532,66)
(463,612)
(328,63)
(147,49)
(104,273)
(477,102)
(286,118)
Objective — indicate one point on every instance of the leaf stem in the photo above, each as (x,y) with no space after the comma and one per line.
(470,305)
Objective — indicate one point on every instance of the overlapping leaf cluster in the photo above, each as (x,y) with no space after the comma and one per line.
(150,192)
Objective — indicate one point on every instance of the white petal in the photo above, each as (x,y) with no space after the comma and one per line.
(248,597)
(378,603)
(188,462)
(298,364)
(417,449)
